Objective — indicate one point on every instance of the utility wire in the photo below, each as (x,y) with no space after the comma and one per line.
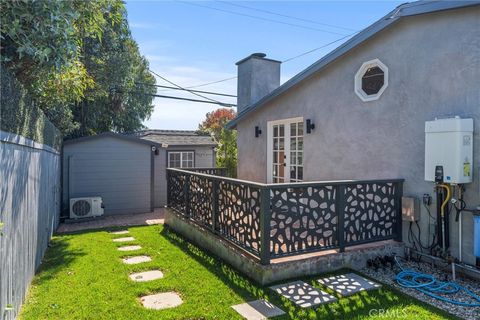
(176,85)
(321,47)
(284,15)
(257,17)
(209,83)
(175,88)
(223,104)
(284,61)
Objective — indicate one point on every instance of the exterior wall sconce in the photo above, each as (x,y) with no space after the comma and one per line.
(310,126)
(258,131)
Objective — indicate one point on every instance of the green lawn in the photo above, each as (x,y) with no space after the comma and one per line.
(82,277)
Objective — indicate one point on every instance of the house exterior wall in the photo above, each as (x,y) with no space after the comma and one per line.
(204,158)
(119,171)
(30,211)
(434,71)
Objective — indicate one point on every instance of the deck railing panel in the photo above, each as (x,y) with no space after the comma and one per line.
(277,220)
(239,214)
(303,220)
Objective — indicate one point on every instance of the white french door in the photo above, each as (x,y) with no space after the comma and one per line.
(285,151)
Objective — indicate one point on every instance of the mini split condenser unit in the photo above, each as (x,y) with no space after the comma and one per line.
(86,207)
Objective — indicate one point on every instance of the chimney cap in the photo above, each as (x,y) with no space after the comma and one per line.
(256,55)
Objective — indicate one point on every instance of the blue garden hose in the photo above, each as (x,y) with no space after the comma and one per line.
(430,286)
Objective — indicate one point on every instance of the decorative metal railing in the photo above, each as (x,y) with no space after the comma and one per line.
(213,171)
(277,220)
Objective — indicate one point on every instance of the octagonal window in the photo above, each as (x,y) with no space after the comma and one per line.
(371,80)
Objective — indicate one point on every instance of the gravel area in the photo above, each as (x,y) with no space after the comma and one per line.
(387,276)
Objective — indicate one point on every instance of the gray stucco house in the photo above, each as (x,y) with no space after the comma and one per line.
(129,171)
(360,111)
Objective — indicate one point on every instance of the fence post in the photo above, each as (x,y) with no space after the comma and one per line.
(168,188)
(265,225)
(398,204)
(340,211)
(215,191)
(186,194)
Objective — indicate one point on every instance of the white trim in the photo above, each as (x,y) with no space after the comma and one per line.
(270,125)
(358,80)
(181,158)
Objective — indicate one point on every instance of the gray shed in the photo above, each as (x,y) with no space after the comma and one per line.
(126,171)
(116,167)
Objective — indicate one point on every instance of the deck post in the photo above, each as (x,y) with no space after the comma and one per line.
(340,211)
(215,191)
(398,205)
(265,225)
(186,194)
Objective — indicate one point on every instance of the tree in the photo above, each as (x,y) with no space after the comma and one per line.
(68,55)
(214,124)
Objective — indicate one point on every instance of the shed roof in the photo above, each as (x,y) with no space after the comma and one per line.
(404,10)
(177,137)
(120,136)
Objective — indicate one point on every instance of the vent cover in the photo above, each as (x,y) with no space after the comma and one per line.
(81,208)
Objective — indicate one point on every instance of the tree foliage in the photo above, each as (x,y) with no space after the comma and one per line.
(214,124)
(68,55)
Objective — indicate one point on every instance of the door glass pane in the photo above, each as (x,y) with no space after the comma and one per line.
(281,144)
(293,144)
(282,130)
(292,173)
(293,158)
(300,173)
(300,143)
(281,170)
(275,131)
(300,128)
(293,129)
(300,158)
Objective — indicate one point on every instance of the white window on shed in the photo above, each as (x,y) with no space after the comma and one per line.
(181,159)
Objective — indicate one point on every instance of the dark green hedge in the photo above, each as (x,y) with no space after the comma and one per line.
(18,114)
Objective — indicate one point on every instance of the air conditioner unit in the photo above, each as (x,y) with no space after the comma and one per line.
(86,207)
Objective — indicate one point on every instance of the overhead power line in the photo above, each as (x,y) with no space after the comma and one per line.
(209,83)
(318,48)
(180,87)
(284,15)
(257,17)
(198,91)
(223,104)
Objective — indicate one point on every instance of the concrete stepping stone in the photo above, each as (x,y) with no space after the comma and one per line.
(146,276)
(258,310)
(125,239)
(161,300)
(120,232)
(136,259)
(348,284)
(129,248)
(303,294)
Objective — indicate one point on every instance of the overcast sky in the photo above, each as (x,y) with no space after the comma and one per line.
(196,42)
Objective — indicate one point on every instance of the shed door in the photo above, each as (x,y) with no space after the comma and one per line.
(285,151)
